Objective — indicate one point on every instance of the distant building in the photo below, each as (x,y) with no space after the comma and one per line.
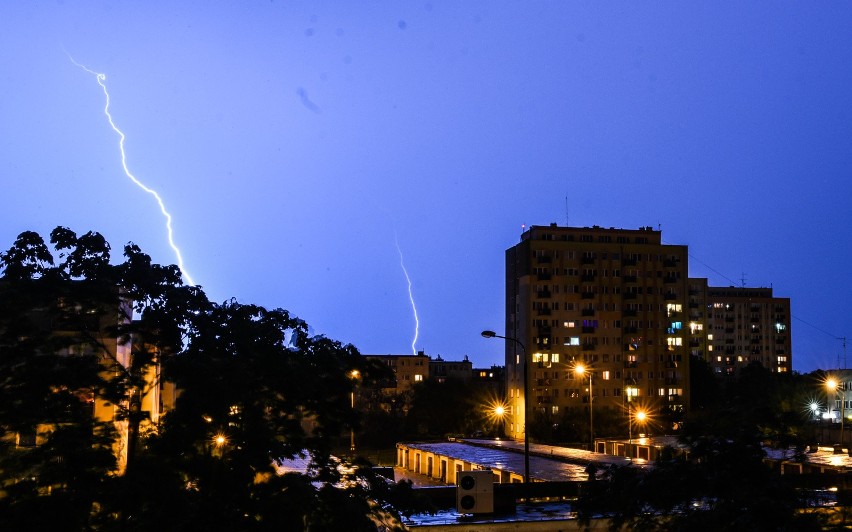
(441,370)
(735,326)
(493,378)
(407,369)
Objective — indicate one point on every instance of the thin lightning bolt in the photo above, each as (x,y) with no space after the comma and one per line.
(101,78)
(410,297)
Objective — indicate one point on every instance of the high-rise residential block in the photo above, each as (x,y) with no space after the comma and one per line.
(611,302)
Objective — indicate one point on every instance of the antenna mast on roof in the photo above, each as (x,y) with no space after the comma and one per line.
(566,212)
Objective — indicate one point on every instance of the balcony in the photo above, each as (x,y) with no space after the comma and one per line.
(628,295)
(588,330)
(587,278)
(670,297)
(671,263)
(543,276)
(589,346)
(587,295)
(545,259)
(587,312)
(543,312)
(544,399)
(669,280)
(630,330)
(630,313)
(543,294)
(631,364)
(672,380)
(629,279)
(628,262)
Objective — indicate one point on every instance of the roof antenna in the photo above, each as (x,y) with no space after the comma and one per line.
(566,212)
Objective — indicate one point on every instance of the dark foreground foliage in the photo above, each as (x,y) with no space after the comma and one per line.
(81,337)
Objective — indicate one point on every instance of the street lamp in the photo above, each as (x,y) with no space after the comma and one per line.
(833,385)
(492,334)
(581,370)
(354,374)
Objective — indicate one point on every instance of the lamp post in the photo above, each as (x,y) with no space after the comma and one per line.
(492,334)
(833,384)
(354,374)
(582,370)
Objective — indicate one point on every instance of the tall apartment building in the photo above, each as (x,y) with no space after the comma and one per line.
(735,326)
(612,300)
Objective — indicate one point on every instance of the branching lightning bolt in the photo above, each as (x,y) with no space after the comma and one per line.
(101,78)
(410,297)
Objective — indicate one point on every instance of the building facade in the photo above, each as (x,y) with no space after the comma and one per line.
(609,301)
(745,325)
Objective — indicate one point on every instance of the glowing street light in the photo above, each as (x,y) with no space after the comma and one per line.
(833,385)
(581,370)
(354,375)
(492,334)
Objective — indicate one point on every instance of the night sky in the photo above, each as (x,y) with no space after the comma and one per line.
(297,143)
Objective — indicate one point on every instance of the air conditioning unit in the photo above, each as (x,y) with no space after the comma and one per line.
(475,492)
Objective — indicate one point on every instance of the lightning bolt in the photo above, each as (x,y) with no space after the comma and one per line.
(410,296)
(101,78)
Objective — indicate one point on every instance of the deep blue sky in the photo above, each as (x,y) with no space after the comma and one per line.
(295,142)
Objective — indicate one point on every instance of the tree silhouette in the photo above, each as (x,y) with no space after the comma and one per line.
(84,342)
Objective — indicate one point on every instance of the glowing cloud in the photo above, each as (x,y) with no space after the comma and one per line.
(101,78)
(410,297)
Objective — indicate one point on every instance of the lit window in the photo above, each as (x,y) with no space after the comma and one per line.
(605,375)
(573,340)
(418,377)
(570,324)
(780,327)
